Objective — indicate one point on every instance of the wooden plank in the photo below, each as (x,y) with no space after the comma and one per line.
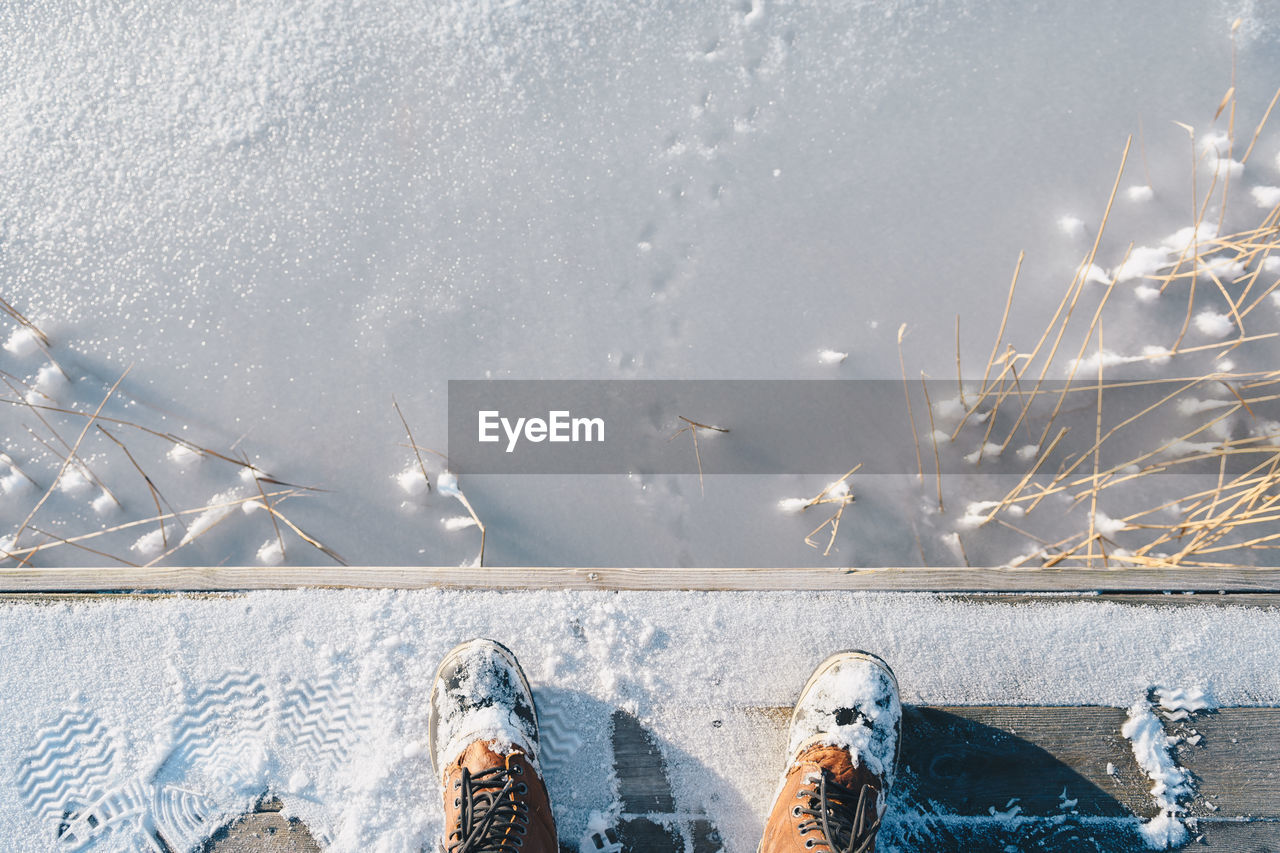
(964,765)
(205,578)
(263,831)
(961,766)
(268,832)
(1264,601)
(1230,836)
(650,819)
(970,759)
(1236,763)
(1070,835)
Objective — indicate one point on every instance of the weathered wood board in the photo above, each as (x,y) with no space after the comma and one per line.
(209,578)
(961,764)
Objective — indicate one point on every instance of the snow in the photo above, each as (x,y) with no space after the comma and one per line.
(1228,167)
(1139,194)
(793,505)
(1214,324)
(1072,226)
(480,708)
(1143,261)
(1223,268)
(1096,274)
(22,341)
(987,451)
(1185,699)
(1267,197)
(270,553)
(411,480)
(150,543)
(1191,406)
(1107,526)
(184,456)
(354,669)
(975,514)
(220,506)
(1152,749)
(447,484)
(830,356)
(1190,237)
(872,739)
(837,489)
(50,384)
(74,480)
(14,483)
(952,408)
(104,503)
(1087,366)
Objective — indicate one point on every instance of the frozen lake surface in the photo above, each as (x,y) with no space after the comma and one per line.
(283,215)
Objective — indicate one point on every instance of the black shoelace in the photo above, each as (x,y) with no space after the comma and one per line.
(848,820)
(493,817)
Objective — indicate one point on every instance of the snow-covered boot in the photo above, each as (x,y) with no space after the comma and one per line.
(842,756)
(483,738)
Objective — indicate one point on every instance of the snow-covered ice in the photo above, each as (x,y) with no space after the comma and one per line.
(284,215)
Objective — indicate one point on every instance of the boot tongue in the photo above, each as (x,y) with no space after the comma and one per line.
(839,764)
(480,756)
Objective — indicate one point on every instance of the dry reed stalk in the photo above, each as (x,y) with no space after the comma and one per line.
(1097,445)
(24,322)
(933,437)
(906,393)
(266,502)
(1258,132)
(421,465)
(21,552)
(692,428)
(66,461)
(77,459)
(85,548)
(1004,320)
(151,486)
(1093,324)
(170,437)
(841,500)
(309,539)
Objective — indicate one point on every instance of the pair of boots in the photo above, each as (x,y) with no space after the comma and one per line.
(483,739)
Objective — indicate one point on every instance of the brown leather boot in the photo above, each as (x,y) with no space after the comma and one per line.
(843,756)
(483,739)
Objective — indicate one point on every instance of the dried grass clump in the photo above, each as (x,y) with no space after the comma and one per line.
(1227,524)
